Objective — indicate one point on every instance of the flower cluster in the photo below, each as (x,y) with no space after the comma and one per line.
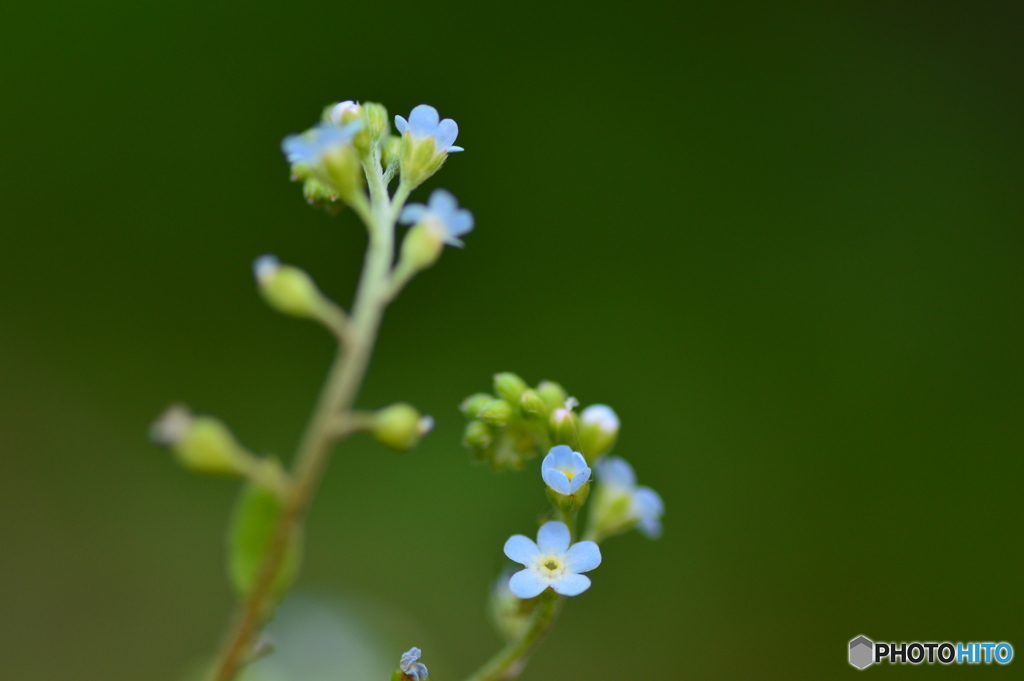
(507,428)
(516,423)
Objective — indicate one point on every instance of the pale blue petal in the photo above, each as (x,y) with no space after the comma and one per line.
(582,557)
(401,124)
(578,480)
(521,549)
(419,672)
(412,213)
(649,527)
(557,480)
(553,537)
(571,585)
(527,584)
(454,148)
(447,131)
(443,203)
(648,502)
(615,471)
(409,658)
(548,462)
(560,455)
(423,120)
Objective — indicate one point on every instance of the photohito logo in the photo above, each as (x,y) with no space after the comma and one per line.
(864,652)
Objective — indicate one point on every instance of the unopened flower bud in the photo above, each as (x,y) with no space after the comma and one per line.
(400,426)
(531,405)
(565,424)
(472,405)
(496,413)
(599,428)
(477,435)
(200,443)
(509,387)
(554,395)
(509,613)
(391,151)
(287,289)
(343,169)
(421,248)
(376,120)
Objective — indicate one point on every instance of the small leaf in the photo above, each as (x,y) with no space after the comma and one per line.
(252,529)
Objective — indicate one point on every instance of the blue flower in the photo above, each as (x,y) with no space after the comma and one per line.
(551,562)
(410,667)
(442,215)
(423,122)
(309,147)
(643,505)
(564,470)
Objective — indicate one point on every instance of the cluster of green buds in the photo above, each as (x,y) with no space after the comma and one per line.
(515,423)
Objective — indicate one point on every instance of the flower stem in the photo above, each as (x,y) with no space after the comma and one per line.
(336,399)
(511,661)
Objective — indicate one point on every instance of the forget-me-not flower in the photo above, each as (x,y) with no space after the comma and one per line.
(441,215)
(551,562)
(309,147)
(621,503)
(410,667)
(424,122)
(564,470)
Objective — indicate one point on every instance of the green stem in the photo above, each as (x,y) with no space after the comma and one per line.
(511,660)
(336,399)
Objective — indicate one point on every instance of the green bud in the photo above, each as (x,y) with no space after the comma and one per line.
(287,289)
(599,428)
(565,425)
(421,248)
(376,120)
(201,443)
(496,413)
(400,426)
(317,194)
(531,405)
(509,613)
(477,435)
(611,512)
(342,171)
(554,395)
(420,159)
(472,405)
(514,446)
(391,151)
(509,387)
(569,503)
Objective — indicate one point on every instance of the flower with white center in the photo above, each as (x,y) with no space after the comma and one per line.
(310,147)
(442,217)
(551,562)
(424,122)
(621,503)
(564,470)
(410,667)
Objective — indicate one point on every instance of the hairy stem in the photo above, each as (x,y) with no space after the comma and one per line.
(511,660)
(336,399)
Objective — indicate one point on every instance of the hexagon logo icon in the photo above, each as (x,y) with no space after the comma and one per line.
(862,652)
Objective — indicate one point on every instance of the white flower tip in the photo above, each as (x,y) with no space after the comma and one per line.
(425,425)
(602,416)
(571,403)
(340,108)
(172,425)
(264,267)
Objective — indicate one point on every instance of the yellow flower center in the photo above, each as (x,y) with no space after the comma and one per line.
(551,565)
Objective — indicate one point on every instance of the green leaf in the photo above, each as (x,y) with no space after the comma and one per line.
(257,514)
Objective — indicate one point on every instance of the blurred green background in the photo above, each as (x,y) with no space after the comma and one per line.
(784,241)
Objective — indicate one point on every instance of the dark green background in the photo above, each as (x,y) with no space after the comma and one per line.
(784,242)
